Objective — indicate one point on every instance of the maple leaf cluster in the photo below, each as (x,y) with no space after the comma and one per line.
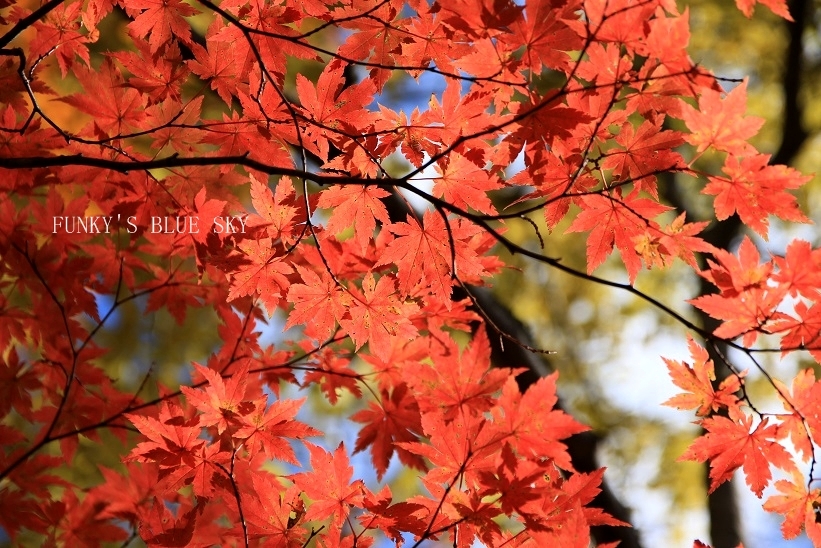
(739,439)
(197,167)
(506,457)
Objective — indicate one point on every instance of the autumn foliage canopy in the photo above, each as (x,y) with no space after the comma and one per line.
(239,156)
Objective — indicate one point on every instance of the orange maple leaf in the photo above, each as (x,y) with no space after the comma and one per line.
(697,381)
(720,122)
(803,403)
(278,213)
(798,506)
(778,7)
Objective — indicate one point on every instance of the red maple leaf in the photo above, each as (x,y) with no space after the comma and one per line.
(205,213)
(680,240)
(534,427)
(729,445)
(801,332)
(264,430)
(613,220)
(431,40)
(115,107)
(800,270)
(329,485)
(606,64)
(479,17)
(332,372)
(377,316)
(394,419)
(160,20)
(396,131)
(462,447)
(201,470)
(221,401)
(172,437)
(802,404)
(667,43)
(733,275)
(745,314)
(545,36)
(122,496)
(355,205)
(262,273)
(183,457)
(459,384)
(747,302)
(550,121)
(647,152)
(517,483)
(556,179)
(455,116)
(251,134)
(80,523)
(332,109)
(424,254)
(159,527)
(17,382)
(487,60)
(394,519)
(378,38)
(618,21)
(464,184)
(754,189)
(161,79)
(277,213)
(174,121)
(223,61)
(319,303)
(61,35)
(274,513)
(568,509)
